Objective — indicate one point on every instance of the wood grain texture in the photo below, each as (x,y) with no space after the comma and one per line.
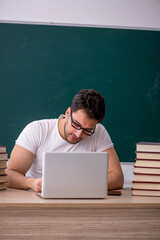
(79,223)
(24,215)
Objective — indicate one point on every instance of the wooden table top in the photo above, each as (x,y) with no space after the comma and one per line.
(26,198)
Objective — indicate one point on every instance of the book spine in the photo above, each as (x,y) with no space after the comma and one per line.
(141,159)
(146,174)
(145,182)
(137,189)
(146,167)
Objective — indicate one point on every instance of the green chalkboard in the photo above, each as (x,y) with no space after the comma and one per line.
(43,67)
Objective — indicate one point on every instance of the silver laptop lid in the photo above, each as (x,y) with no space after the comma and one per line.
(74,175)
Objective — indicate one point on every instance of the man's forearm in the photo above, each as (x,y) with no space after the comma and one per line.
(18,180)
(115,180)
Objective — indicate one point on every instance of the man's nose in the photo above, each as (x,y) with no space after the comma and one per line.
(78,133)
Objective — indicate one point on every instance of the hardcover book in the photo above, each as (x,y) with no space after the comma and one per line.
(3,163)
(146,170)
(143,192)
(147,163)
(146,185)
(2,171)
(147,155)
(3,178)
(3,149)
(147,177)
(3,186)
(3,156)
(148,147)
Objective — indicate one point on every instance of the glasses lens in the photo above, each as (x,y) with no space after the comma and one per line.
(75,125)
(89,133)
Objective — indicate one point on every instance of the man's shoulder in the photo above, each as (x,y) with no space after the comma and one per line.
(100,127)
(42,124)
(44,121)
(100,131)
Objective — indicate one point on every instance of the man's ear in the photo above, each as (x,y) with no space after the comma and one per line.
(68,112)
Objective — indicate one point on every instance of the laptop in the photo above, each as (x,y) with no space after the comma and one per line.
(74,175)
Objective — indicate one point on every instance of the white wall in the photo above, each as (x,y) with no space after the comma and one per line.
(128,169)
(118,13)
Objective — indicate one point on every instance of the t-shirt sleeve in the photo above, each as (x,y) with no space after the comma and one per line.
(29,137)
(102,138)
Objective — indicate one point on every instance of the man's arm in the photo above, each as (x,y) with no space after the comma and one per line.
(115,174)
(20,162)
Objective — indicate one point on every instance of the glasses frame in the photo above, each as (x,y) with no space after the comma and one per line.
(79,128)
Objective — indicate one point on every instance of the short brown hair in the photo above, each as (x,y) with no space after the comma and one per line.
(91,101)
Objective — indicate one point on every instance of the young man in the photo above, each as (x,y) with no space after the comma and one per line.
(78,130)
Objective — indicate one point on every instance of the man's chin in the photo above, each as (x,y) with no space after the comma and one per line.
(73,141)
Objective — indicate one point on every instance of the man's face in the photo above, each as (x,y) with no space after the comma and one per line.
(80,118)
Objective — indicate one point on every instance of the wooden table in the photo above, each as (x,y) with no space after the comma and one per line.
(24,215)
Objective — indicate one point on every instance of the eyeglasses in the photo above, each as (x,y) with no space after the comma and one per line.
(78,127)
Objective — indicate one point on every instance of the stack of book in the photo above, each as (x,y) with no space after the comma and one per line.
(147,170)
(3,166)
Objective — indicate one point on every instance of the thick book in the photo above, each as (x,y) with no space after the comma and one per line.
(147,193)
(148,155)
(3,149)
(3,163)
(148,147)
(147,163)
(147,177)
(2,171)
(3,156)
(146,170)
(3,178)
(3,186)
(146,185)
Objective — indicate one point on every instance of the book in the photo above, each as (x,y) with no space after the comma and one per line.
(147,177)
(146,180)
(148,155)
(143,192)
(3,178)
(147,163)
(3,149)
(148,147)
(2,171)
(3,156)
(3,166)
(146,170)
(146,185)
(3,163)
(3,186)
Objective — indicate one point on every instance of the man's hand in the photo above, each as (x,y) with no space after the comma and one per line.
(37,184)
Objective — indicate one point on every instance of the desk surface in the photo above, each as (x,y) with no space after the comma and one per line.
(25,198)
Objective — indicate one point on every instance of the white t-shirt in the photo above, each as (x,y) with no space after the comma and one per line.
(43,135)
